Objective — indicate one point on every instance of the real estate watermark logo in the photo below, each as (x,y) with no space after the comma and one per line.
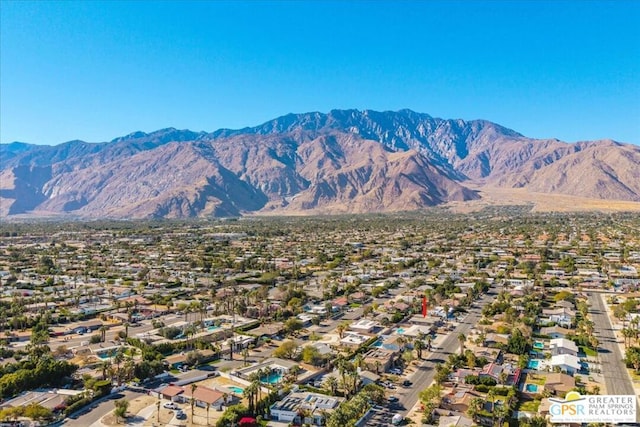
(575,408)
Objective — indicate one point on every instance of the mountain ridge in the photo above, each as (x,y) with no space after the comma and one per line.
(340,161)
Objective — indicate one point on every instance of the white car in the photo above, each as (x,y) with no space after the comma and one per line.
(395,371)
(170,405)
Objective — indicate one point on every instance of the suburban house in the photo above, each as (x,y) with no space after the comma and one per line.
(171,392)
(491,370)
(560,316)
(459,399)
(379,359)
(563,346)
(203,397)
(455,421)
(559,384)
(566,362)
(368,377)
(492,339)
(365,326)
(304,408)
(555,331)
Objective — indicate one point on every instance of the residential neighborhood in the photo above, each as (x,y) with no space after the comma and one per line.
(424,319)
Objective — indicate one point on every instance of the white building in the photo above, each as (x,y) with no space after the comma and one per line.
(563,346)
(566,362)
(317,406)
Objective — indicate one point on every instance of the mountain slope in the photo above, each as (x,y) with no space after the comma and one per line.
(343,161)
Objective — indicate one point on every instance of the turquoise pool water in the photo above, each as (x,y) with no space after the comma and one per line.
(531,388)
(400,330)
(539,345)
(213,328)
(107,355)
(236,390)
(533,364)
(273,378)
(380,344)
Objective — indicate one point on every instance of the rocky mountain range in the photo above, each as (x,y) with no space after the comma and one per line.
(346,161)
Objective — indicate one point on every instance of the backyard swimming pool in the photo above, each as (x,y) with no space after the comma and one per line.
(533,364)
(538,345)
(273,377)
(236,390)
(531,388)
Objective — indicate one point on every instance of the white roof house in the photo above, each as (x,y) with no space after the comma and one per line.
(567,362)
(563,346)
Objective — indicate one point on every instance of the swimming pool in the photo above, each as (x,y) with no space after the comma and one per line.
(533,364)
(400,331)
(235,389)
(273,377)
(213,328)
(538,345)
(531,388)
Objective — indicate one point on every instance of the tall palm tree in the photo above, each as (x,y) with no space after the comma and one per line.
(194,386)
(491,396)
(429,341)
(462,338)
(419,346)
(103,333)
(475,406)
(332,383)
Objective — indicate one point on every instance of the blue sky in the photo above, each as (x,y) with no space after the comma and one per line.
(97,70)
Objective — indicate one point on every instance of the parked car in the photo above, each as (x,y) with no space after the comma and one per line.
(407,383)
(171,405)
(393,399)
(181,415)
(395,371)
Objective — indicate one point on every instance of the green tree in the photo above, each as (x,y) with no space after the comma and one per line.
(286,350)
(122,405)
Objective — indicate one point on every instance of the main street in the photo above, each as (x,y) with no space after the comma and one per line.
(616,378)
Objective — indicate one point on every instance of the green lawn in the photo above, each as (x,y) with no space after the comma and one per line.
(536,379)
(529,406)
(588,351)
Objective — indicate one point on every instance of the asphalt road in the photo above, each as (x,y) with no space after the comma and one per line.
(616,378)
(99,410)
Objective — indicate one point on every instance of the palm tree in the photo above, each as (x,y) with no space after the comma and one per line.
(462,338)
(503,377)
(119,358)
(193,399)
(501,412)
(429,340)
(419,346)
(332,383)
(103,333)
(230,344)
(208,407)
(475,406)
(105,366)
(341,328)
(491,396)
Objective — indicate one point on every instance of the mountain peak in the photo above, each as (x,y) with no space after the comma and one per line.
(341,161)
